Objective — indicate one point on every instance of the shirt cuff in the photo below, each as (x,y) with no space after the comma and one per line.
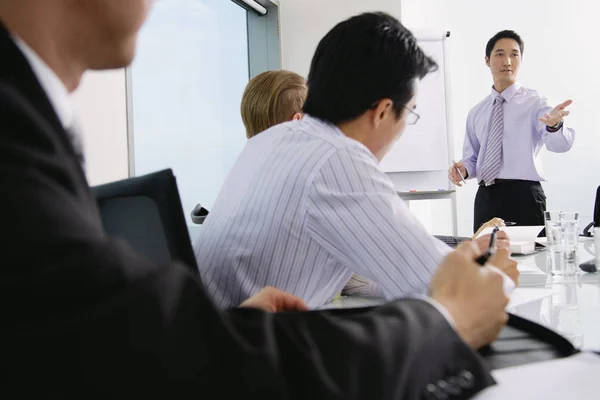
(509,284)
(470,170)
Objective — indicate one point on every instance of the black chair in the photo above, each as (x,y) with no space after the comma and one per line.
(146,212)
(597,209)
(596,222)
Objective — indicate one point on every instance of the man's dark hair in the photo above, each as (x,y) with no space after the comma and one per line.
(362,60)
(503,35)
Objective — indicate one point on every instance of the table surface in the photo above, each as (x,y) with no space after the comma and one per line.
(570,306)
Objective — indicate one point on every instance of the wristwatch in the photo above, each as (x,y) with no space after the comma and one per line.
(555,127)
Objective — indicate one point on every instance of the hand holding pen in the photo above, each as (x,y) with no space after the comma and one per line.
(457,173)
(502,239)
(499,259)
(491,248)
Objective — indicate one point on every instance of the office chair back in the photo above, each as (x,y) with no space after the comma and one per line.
(146,212)
(597,208)
(587,231)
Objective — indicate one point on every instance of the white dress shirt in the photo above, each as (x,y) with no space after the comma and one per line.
(55,89)
(304,208)
(57,93)
(524,135)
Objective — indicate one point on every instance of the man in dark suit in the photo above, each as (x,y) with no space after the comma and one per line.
(84,316)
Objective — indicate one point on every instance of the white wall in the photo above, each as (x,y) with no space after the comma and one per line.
(302,24)
(560,61)
(100,103)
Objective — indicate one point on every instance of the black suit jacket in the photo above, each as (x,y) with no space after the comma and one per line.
(84,316)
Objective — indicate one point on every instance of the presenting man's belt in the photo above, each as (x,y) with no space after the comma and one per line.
(496,181)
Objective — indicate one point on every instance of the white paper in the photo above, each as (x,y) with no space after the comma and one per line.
(529,269)
(523,248)
(517,233)
(531,275)
(573,377)
(522,296)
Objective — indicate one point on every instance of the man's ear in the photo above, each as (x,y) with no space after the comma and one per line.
(380,112)
(297,116)
(487,61)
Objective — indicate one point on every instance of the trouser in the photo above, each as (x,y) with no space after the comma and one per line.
(522,202)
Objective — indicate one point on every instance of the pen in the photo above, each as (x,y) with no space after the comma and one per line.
(460,174)
(491,250)
(509,223)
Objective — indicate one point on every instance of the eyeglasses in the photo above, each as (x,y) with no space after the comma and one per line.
(412,117)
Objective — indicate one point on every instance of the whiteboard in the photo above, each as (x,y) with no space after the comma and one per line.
(424,146)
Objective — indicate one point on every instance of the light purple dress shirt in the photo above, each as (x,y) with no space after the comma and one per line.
(304,208)
(524,134)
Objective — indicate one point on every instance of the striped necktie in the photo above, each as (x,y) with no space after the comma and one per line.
(492,159)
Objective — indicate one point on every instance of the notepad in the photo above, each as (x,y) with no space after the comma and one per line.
(531,275)
(517,233)
(522,238)
(522,296)
(522,247)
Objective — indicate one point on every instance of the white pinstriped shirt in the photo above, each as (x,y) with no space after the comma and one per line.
(304,208)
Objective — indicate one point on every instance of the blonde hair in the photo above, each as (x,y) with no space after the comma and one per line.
(271,98)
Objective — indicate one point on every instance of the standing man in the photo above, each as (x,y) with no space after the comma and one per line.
(505,134)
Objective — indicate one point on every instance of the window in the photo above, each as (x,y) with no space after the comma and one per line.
(184,90)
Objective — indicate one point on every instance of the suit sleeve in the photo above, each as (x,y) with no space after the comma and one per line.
(81,311)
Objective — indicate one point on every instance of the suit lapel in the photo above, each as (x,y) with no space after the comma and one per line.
(15,70)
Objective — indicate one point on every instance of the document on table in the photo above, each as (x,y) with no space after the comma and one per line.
(567,378)
(517,233)
(531,275)
(529,269)
(522,296)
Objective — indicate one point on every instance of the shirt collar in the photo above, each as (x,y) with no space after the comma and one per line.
(321,125)
(55,89)
(508,93)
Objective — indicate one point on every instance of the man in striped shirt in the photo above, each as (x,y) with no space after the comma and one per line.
(272,98)
(306,205)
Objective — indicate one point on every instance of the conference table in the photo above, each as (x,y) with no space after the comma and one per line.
(569,306)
